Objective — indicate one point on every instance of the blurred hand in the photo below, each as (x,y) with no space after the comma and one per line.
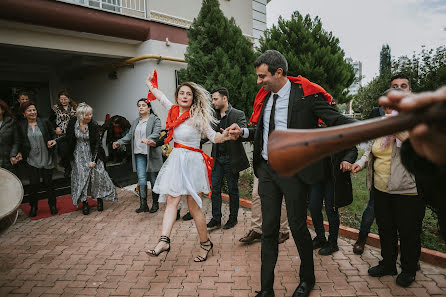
(355,168)
(234,131)
(345,166)
(428,140)
(403,135)
(149,80)
(51,143)
(19,157)
(148,141)
(92,164)
(58,131)
(115,145)
(13,160)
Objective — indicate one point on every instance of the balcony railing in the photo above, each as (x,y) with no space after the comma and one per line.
(135,8)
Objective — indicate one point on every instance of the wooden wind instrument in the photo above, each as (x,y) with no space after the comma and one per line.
(290,151)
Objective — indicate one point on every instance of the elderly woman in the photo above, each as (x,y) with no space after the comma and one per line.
(8,137)
(144,132)
(61,114)
(87,156)
(35,145)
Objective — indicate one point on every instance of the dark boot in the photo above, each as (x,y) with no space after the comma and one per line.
(143,207)
(52,200)
(33,211)
(358,247)
(178,215)
(33,200)
(155,205)
(329,248)
(100,204)
(85,208)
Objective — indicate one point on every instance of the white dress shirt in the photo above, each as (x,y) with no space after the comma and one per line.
(280,116)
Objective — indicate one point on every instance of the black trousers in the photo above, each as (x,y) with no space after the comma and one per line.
(399,215)
(35,186)
(272,189)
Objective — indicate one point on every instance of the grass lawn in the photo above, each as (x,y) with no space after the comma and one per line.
(351,215)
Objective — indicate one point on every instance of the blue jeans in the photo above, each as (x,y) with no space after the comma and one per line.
(319,193)
(222,168)
(141,167)
(368,216)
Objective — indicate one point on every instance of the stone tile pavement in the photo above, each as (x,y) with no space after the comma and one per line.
(102,254)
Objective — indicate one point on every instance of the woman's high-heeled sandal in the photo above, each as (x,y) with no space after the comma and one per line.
(207,246)
(153,253)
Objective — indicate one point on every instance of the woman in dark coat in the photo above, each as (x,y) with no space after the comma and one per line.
(88,157)
(335,191)
(8,137)
(36,146)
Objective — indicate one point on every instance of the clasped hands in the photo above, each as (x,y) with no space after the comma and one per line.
(149,142)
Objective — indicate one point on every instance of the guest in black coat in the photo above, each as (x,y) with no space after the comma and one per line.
(36,146)
(8,138)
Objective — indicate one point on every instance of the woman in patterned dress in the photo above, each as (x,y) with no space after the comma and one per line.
(87,156)
(187,170)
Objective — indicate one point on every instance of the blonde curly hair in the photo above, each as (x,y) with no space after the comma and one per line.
(201,109)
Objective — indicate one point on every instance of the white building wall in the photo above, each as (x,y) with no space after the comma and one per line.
(119,96)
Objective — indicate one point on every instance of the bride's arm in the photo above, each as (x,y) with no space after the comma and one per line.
(157,93)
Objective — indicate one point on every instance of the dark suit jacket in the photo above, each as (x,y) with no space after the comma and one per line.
(236,151)
(303,113)
(24,146)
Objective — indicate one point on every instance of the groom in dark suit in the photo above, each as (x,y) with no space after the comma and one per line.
(285,102)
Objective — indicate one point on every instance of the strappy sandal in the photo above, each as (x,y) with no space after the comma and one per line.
(153,253)
(207,246)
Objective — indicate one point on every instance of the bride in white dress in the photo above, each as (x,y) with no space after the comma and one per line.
(186,171)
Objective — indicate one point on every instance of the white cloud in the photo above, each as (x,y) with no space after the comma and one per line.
(364,26)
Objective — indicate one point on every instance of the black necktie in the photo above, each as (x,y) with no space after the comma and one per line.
(272,124)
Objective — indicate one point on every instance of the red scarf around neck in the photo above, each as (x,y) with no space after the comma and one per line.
(308,87)
(173,120)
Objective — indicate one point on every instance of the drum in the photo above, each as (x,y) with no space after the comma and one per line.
(11,195)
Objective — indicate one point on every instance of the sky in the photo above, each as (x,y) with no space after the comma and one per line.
(364,26)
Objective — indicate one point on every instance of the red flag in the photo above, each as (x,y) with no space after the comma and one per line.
(150,96)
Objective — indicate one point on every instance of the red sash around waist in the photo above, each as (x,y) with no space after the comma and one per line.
(209,161)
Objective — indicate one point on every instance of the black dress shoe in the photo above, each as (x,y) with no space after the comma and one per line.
(379,270)
(230,224)
(213,224)
(319,242)
(265,293)
(304,289)
(405,279)
(187,217)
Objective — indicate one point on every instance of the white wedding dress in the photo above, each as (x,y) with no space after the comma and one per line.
(184,172)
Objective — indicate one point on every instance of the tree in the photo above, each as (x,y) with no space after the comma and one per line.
(219,55)
(311,52)
(385,60)
(426,71)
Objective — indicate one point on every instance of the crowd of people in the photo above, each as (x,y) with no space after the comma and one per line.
(401,168)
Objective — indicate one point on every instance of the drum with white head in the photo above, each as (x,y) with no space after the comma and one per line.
(11,195)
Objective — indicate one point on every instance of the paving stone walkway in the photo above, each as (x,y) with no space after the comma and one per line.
(102,254)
